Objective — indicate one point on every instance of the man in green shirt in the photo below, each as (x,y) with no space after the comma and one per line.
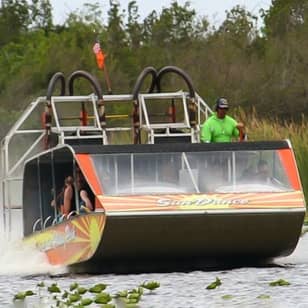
(220,127)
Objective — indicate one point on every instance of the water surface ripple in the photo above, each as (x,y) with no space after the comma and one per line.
(241,287)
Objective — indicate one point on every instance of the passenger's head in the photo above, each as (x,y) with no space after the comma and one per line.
(221,107)
(263,168)
(80,179)
(69,180)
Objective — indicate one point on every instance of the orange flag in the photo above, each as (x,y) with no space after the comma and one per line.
(100,57)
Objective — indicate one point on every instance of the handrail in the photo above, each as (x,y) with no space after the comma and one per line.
(62,217)
(45,222)
(71,213)
(35,224)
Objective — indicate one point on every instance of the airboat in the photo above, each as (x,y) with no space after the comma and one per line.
(163,199)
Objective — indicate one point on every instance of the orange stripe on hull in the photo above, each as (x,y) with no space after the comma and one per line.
(293,199)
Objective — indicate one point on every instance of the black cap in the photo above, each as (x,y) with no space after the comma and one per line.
(222,103)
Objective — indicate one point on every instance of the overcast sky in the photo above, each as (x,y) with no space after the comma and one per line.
(213,9)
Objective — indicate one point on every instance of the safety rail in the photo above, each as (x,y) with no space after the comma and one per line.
(33,133)
(39,220)
(69,132)
(45,222)
(186,127)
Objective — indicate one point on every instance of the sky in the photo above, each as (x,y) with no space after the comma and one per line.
(214,10)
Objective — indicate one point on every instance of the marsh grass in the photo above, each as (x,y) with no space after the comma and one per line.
(265,129)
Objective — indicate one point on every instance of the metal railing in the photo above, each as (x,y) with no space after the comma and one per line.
(13,157)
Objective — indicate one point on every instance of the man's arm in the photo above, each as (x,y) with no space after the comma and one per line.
(206,135)
(241,129)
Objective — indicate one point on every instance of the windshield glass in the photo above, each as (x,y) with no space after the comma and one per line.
(186,172)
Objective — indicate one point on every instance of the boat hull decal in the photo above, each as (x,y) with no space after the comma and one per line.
(71,241)
(292,199)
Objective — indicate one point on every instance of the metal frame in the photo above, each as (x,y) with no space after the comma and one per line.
(66,133)
(154,129)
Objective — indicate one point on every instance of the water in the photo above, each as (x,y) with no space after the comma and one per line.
(21,269)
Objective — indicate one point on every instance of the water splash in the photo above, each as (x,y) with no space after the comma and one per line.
(17,258)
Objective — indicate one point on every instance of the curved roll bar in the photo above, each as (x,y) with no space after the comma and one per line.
(180,72)
(52,83)
(98,90)
(47,114)
(87,76)
(139,82)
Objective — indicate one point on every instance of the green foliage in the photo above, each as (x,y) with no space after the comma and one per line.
(284,16)
(41,14)
(14,20)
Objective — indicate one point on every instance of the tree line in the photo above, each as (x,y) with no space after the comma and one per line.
(256,68)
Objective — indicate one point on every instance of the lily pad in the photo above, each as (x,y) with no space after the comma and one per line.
(263,296)
(227,296)
(279,282)
(214,284)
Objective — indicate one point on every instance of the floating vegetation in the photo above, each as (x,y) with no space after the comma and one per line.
(151,285)
(98,288)
(279,282)
(227,296)
(214,284)
(54,288)
(23,295)
(94,296)
(263,296)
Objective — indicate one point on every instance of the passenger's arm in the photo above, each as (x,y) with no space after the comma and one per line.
(68,196)
(85,198)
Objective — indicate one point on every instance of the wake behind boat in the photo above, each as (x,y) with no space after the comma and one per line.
(162,199)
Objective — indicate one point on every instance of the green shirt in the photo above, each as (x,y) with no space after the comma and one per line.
(219,130)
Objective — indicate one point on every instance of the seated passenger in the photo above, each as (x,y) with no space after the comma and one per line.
(248,174)
(65,200)
(261,175)
(84,193)
(263,172)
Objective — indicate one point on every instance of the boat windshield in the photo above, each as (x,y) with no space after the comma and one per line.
(187,172)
